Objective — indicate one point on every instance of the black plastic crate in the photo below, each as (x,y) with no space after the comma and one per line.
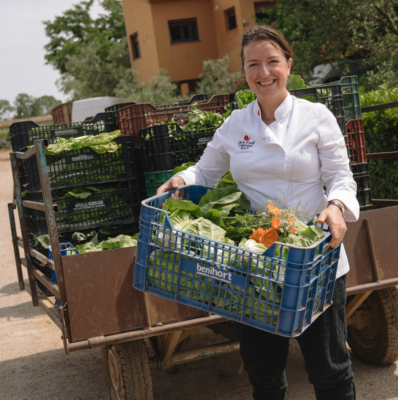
(113,109)
(84,167)
(105,208)
(24,134)
(47,272)
(364,197)
(362,181)
(194,99)
(165,147)
(359,169)
(330,95)
(140,173)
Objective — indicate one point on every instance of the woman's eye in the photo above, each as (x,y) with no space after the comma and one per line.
(252,65)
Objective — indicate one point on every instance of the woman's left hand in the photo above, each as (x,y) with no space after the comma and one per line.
(333,217)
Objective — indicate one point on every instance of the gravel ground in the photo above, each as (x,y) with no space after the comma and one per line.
(34,366)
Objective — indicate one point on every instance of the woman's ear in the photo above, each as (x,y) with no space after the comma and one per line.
(289,65)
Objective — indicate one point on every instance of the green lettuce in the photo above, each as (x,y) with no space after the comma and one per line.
(102,143)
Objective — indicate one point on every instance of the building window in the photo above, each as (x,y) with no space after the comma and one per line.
(135,45)
(183,30)
(261,9)
(230,18)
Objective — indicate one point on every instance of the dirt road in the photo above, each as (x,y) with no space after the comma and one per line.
(33,364)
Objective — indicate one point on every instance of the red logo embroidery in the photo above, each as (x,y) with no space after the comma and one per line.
(246,138)
(258,112)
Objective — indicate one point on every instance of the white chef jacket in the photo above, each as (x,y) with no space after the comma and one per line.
(293,157)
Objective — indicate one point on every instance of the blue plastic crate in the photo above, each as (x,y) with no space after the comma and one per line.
(67,249)
(281,291)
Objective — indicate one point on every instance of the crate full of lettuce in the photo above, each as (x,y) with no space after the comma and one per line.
(201,247)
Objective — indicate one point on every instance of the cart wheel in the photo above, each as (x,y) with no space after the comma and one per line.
(374,337)
(127,371)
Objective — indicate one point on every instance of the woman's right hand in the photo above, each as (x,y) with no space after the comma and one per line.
(174,183)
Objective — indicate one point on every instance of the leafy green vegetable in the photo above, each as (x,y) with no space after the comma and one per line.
(226,180)
(78,236)
(119,242)
(295,82)
(44,240)
(183,167)
(186,205)
(215,216)
(102,143)
(89,247)
(199,119)
(244,97)
(224,200)
(112,243)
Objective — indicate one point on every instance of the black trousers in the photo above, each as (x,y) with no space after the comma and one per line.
(323,345)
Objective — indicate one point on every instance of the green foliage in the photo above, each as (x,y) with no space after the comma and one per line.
(295,82)
(28,106)
(5,110)
(381,135)
(89,75)
(74,30)
(5,141)
(199,119)
(102,143)
(244,97)
(341,30)
(158,90)
(216,79)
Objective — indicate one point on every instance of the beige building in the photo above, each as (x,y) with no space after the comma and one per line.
(178,35)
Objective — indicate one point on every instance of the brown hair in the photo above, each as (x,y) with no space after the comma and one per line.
(264,32)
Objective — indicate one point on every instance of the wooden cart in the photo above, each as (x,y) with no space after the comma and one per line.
(100,307)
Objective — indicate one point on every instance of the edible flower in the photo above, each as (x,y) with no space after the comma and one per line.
(275,223)
(257,233)
(273,210)
(269,237)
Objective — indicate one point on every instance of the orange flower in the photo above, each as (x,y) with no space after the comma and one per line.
(293,230)
(257,234)
(273,210)
(275,223)
(268,237)
(290,221)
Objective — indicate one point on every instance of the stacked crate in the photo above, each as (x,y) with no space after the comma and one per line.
(353,135)
(165,147)
(110,177)
(159,151)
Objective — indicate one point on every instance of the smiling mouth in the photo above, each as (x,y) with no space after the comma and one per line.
(266,83)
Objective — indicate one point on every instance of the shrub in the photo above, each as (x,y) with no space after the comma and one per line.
(381,135)
(217,80)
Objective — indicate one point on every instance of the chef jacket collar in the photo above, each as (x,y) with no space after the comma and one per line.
(284,108)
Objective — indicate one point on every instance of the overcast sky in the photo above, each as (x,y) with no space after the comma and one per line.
(22,40)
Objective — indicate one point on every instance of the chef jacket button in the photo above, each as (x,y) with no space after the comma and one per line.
(263,138)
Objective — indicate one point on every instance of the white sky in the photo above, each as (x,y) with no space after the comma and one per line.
(22,40)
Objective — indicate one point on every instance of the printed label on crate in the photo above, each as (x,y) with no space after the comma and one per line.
(77,131)
(81,157)
(89,205)
(202,141)
(222,274)
(180,115)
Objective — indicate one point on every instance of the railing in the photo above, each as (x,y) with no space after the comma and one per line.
(382,156)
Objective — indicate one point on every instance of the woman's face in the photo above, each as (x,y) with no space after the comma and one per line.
(266,70)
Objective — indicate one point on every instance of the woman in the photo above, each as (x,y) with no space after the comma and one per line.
(281,146)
